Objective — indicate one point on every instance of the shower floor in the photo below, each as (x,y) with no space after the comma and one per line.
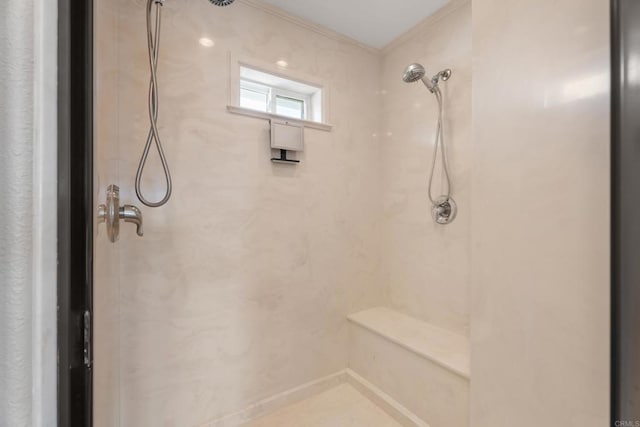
(341,406)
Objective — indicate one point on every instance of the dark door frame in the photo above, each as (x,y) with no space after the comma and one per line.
(625,215)
(75,211)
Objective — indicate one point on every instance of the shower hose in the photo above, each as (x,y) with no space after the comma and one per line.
(440,146)
(153,44)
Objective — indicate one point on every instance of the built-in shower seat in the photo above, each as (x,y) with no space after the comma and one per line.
(424,368)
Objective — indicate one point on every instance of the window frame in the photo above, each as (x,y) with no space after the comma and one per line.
(273,92)
(307,108)
(258,88)
(318,111)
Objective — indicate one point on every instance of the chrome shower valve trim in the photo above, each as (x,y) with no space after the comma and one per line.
(111,213)
(444,210)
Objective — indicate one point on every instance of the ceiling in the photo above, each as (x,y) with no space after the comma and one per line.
(372,22)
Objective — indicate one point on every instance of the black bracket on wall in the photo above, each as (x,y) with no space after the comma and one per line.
(283,158)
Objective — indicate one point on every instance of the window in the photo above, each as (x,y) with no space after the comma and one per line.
(254,96)
(277,95)
(290,107)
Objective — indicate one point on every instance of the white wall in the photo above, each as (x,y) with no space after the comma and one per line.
(28,229)
(426,265)
(16,157)
(540,220)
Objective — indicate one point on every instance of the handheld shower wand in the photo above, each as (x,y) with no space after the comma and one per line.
(153,45)
(444,208)
(415,72)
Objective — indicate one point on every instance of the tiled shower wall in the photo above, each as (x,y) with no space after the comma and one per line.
(242,283)
(106,289)
(540,200)
(426,268)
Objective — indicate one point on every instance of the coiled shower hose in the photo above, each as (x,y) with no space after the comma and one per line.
(153,44)
(439,145)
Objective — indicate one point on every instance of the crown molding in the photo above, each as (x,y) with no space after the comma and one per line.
(318,29)
(446,10)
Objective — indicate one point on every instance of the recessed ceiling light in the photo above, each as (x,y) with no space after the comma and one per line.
(282,63)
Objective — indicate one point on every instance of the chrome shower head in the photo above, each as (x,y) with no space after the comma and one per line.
(221,2)
(413,73)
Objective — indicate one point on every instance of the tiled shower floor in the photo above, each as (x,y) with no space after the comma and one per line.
(341,406)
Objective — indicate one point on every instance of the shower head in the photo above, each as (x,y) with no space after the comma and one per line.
(415,72)
(221,2)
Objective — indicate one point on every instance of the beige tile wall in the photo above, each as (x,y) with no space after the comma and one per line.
(540,200)
(106,297)
(426,267)
(241,286)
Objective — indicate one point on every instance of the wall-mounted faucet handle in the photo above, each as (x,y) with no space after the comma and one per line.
(111,213)
(130,213)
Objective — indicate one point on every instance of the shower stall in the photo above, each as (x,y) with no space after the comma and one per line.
(417,260)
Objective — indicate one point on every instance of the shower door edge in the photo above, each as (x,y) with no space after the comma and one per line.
(75,212)
(625,216)
(615,89)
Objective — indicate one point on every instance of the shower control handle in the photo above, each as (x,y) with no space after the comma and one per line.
(444,210)
(130,213)
(111,213)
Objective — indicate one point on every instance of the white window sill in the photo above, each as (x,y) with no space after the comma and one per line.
(267,116)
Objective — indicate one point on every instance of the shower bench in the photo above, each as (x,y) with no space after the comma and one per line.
(423,367)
